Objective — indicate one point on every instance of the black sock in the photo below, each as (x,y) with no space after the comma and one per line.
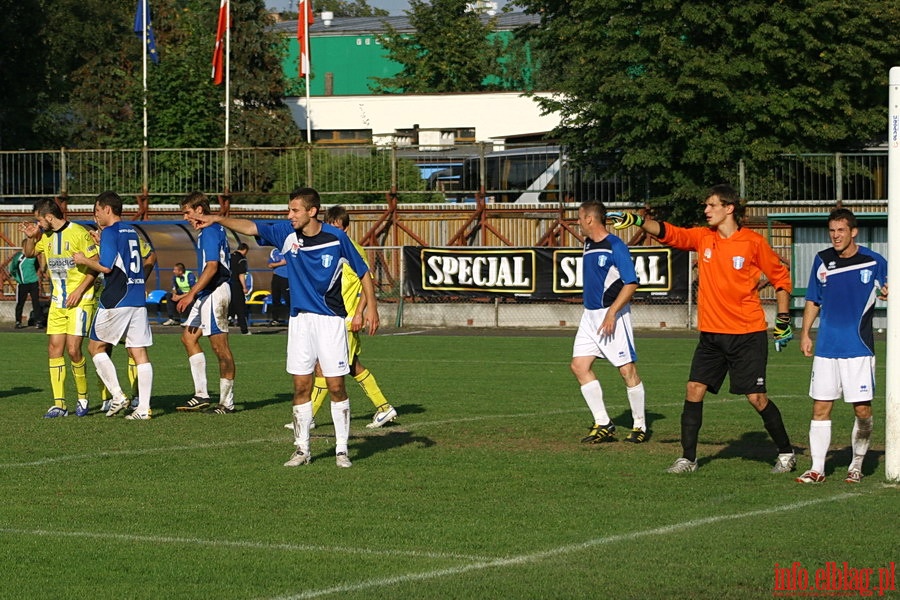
(691,420)
(773,423)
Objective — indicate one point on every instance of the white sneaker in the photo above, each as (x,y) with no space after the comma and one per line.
(170,322)
(682,465)
(342,460)
(139,416)
(297,458)
(785,463)
(382,417)
(117,405)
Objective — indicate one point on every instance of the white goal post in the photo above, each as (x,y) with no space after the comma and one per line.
(892,382)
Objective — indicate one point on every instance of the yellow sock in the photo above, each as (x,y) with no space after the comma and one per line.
(319,391)
(79,372)
(104,393)
(132,376)
(367,382)
(58,380)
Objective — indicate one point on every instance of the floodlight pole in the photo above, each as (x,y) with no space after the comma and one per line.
(892,382)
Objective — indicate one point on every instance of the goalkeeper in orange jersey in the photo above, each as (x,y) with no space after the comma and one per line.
(731,320)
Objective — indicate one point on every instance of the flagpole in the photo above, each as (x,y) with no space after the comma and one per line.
(145,9)
(227,93)
(307,68)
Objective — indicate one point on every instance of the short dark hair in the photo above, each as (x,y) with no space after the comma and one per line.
(243,246)
(596,208)
(843,214)
(308,196)
(47,206)
(195,199)
(338,214)
(728,196)
(112,200)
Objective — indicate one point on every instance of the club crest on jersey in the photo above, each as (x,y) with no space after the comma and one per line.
(707,254)
(737,262)
(327,259)
(866,276)
(602,260)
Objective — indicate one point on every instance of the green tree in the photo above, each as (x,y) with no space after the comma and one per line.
(22,70)
(450,50)
(679,92)
(349,8)
(101,105)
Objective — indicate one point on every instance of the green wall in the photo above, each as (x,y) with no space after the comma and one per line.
(353,59)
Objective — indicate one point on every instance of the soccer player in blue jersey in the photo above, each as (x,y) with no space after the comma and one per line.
(844,282)
(605,330)
(122,312)
(315,253)
(208,301)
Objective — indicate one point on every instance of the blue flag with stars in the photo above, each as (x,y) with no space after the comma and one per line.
(139,30)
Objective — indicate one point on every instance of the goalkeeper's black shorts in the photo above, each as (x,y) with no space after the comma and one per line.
(741,356)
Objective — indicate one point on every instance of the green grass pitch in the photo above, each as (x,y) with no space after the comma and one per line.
(481,488)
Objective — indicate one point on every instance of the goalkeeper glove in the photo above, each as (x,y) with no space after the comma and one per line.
(621,220)
(783,332)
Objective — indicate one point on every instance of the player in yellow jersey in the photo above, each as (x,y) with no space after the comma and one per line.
(351,291)
(72,302)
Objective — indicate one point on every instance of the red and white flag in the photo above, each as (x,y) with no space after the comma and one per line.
(304,20)
(218,61)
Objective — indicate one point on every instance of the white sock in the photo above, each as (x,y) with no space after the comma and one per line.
(636,400)
(107,372)
(145,386)
(302,415)
(340,415)
(226,392)
(859,441)
(819,441)
(593,395)
(198,372)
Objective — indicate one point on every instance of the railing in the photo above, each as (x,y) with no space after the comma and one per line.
(372,174)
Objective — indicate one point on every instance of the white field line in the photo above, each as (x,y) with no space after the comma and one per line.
(521,559)
(275,440)
(241,544)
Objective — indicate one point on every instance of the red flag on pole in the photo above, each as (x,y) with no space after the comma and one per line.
(304,20)
(218,61)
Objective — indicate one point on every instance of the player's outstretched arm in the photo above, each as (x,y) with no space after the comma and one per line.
(622,220)
(245,226)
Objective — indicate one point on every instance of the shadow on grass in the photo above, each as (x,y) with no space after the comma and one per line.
(364,447)
(623,420)
(18,391)
(167,405)
(838,460)
(752,445)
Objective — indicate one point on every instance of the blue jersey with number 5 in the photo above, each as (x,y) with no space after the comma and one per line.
(120,250)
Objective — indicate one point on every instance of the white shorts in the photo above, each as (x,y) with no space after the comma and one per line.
(854,378)
(618,348)
(129,322)
(210,313)
(317,338)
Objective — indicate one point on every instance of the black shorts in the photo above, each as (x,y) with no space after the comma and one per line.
(741,356)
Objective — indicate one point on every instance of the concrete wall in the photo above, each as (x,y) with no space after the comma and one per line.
(491,115)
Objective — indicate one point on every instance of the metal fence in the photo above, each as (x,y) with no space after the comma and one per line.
(367,174)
